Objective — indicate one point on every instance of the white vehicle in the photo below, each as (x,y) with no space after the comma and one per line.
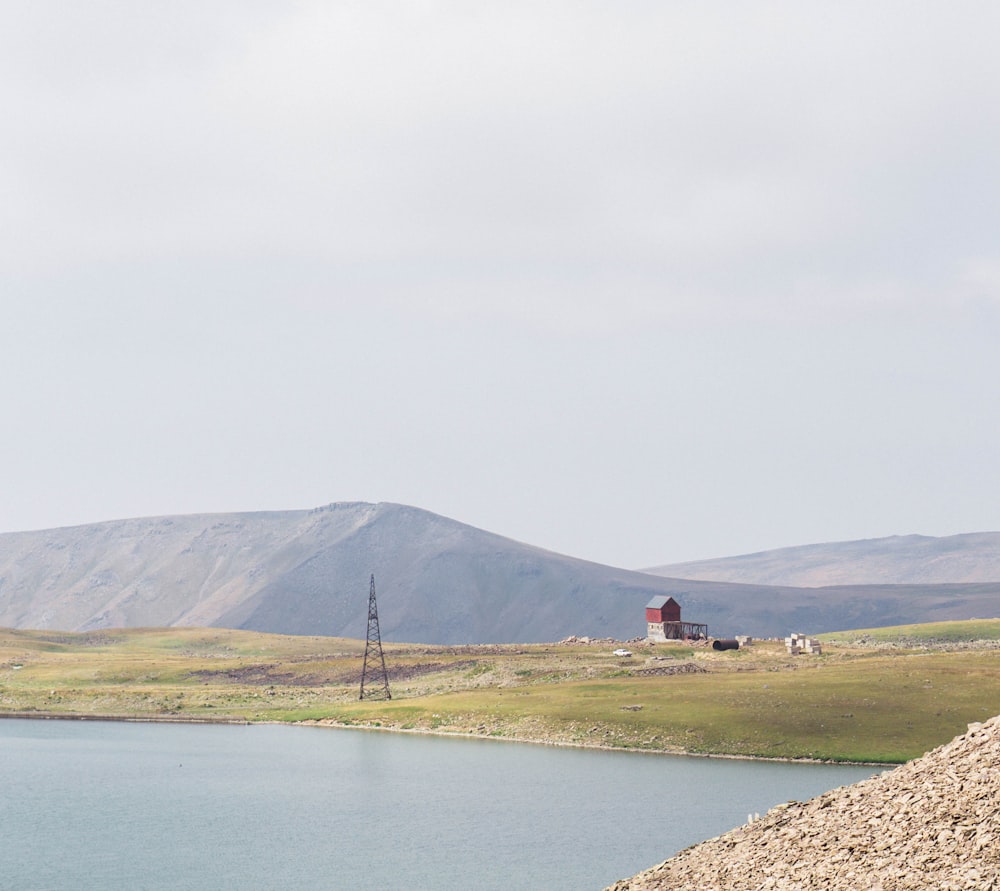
(621,652)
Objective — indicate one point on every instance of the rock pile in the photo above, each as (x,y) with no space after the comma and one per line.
(933,823)
(676,668)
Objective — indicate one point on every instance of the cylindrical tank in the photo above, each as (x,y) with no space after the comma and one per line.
(725,644)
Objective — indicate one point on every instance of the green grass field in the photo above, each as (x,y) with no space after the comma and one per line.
(882,695)
(921,636)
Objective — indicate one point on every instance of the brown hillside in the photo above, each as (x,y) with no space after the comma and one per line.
(933,823)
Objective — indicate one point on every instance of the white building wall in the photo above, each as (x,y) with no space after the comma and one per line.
(655,631)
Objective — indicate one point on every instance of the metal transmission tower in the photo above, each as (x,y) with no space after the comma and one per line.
(375,686)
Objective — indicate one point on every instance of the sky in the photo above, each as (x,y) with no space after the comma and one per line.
(638,282)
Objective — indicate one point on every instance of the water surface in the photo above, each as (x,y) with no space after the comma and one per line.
(94,805)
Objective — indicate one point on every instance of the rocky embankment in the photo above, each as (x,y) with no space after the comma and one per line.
(933,823)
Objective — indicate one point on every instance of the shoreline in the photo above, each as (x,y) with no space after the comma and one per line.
(125,719)
(681,753)
(335,725)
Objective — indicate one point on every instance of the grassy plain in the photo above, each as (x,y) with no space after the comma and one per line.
(882,695)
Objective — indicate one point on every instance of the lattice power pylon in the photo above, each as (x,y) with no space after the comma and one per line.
(374,677)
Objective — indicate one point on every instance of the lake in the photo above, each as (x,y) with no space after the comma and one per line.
(100,805)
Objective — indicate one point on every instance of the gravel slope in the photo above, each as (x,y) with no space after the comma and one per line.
(933,823)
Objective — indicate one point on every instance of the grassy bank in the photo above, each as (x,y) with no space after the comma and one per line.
(882,696)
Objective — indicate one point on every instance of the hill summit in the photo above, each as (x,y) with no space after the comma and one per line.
(438,581)
(307,572)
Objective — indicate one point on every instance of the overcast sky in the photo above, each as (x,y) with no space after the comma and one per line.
(639,282)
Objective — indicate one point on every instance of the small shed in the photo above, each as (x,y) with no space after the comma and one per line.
(663,609)
(663,622)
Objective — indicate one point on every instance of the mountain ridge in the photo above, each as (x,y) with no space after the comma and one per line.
(971,557)
(438,581)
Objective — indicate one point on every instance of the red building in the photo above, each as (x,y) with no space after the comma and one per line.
(663,609)
(663,622)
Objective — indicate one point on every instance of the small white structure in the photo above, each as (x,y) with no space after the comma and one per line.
(799,643)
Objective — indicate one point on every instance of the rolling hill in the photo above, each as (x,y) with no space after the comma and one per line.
(438,581)
(897,560)
(307,572)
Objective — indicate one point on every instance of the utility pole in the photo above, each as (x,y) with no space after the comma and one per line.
(377,685)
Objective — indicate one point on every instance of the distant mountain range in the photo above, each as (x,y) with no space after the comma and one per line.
(899,560)
(441,581)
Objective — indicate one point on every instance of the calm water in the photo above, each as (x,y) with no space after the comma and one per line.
(135,806)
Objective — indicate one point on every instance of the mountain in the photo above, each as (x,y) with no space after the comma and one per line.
(438,581)
(307,572)
(900,559)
